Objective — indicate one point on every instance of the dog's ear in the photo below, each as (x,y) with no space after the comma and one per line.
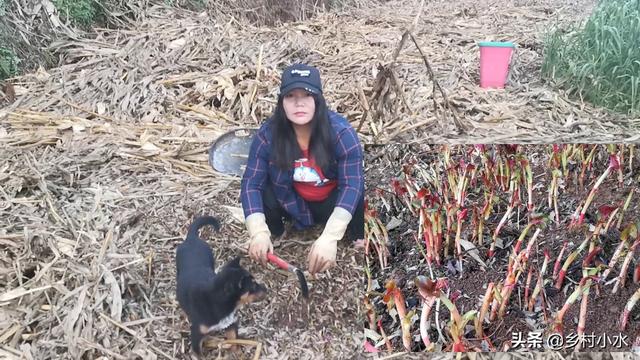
(233,285)
(235,262)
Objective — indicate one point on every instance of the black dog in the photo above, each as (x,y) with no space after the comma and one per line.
(208,298)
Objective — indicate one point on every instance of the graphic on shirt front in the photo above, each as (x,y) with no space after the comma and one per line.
(303,172)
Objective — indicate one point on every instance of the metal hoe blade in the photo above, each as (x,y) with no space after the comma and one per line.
(282,264)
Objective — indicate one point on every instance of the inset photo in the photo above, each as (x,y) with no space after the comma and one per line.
(498,248)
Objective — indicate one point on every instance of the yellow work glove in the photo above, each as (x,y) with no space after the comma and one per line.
(323,251)
(260,237)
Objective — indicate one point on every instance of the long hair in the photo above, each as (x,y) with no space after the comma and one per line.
(286,150)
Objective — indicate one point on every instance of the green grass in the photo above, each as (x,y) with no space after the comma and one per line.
(8,63)
(599,61)
(80,12)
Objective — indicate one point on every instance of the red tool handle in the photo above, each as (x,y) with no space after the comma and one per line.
(278,262)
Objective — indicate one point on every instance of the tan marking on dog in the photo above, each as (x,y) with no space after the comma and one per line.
(204,329)
(232,334)
(247,298)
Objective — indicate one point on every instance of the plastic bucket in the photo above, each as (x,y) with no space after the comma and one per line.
(495,58)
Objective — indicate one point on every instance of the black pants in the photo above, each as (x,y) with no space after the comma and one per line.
(320,211)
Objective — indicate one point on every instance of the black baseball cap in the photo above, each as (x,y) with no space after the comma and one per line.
(301,76)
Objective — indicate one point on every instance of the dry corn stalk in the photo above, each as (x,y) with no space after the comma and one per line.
(376,235)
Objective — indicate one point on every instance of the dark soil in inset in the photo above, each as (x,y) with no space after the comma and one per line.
(424,164)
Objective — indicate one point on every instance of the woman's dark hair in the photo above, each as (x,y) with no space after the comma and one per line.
(286,150)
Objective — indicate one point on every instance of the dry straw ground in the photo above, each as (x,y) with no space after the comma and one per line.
(103,162)
(220,70)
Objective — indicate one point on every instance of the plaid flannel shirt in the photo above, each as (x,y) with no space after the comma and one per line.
(261,171)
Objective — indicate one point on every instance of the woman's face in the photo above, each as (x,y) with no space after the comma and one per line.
(299,106)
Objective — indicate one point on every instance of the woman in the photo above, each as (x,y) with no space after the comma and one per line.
(305,165)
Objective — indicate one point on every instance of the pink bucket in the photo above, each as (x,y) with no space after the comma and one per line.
(495,58)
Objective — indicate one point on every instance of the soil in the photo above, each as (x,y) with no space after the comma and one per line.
(406,261)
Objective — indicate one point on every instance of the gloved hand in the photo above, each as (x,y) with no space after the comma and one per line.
(323,251)
(260,237)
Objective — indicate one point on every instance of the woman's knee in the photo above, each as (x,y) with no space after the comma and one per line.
(357,222)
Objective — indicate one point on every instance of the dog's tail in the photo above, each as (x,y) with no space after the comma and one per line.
(200,222)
